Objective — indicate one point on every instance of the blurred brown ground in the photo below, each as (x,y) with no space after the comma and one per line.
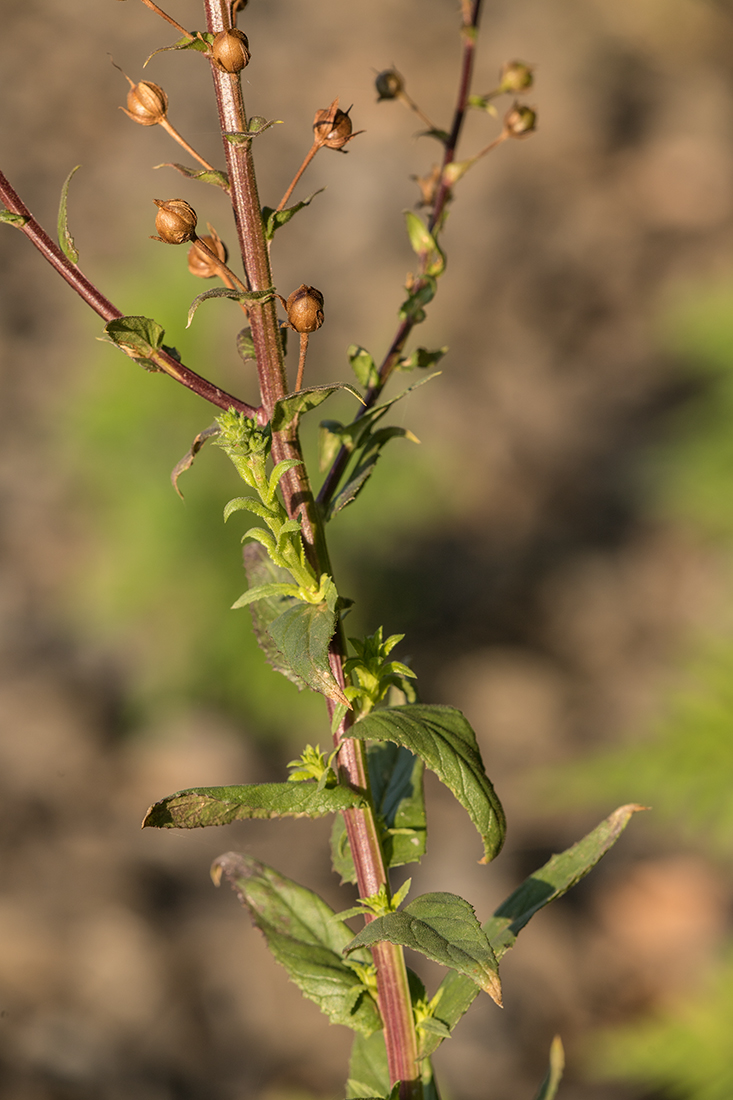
(562,606)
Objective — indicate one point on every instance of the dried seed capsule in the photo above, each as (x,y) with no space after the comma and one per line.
(200,263)
(175,221)
(230,51)
(147,103)
(389,84)
(332,127)
(515,76)
(305,309)
(520,121)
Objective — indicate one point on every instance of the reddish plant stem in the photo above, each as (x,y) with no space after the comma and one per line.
(393,991)
(472,14)
(106,310)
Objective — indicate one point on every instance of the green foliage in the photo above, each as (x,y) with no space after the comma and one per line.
(274,219)
(551,1083)
(447,744)
(304,937)
(202,175)
(138,337)
(66,241)
(201,806)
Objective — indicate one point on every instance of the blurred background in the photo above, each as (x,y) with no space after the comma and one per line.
(557,550)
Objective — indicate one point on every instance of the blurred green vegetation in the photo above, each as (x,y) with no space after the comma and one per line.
(684,768)
(157,576)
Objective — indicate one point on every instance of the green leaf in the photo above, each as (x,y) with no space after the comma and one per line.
(555,878)
(364,468)
(273,219)
(447,744)
(18,220)
(444,928)
(288,408)
(425,245)
(302,634)
(66,241)
(235,295)
(201,806)
(363,366)
(203,175)
(396,780)
(261,571)
(368,1068)
(201,42)
(422,293)
(553,1077)
(304,938)
(257,125)
(264,592)
(188,459)
(421,358)
(138,337)
(245,345)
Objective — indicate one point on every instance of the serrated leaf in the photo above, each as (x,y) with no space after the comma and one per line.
(288,408)
(201,806)
(202,175)
(302,634)
(260,571)
(187,461)
(201,42)
(363,366)
(445,741)
(553,1077)
(421,358)
(396,780)
(138,337)
(555,878)
(304,938)
(18,220)
(264,592)
(66,241)
(444,928)
(274,219)
(245,345)
(226,292)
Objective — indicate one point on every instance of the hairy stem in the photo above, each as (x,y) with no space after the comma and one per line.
(106,310)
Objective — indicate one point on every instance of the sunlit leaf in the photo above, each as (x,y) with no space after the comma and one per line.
(66,241)
(201,806)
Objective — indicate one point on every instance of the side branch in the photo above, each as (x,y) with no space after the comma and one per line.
(106,310)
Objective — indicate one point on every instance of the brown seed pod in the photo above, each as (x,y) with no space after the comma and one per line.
(147,103)
(515,76)
(305,309)
(389,84)
(333,127)
(200,263)
(230,51)
(520,121)
(175,221)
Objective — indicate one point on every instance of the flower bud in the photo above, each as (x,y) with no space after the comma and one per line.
(305,309)
(147,103)
(520,121)
(389,84)
(200,263)
(175,221)
(332,126)
(230,51)
(515,76)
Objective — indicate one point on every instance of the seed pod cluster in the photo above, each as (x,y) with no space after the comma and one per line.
(230,51)
(200,263)
(147,103)
(175,221)
(520,121)
(305,309)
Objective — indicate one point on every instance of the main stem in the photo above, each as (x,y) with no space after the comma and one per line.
(392,985)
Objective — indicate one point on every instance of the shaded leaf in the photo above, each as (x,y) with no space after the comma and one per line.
(365,464)
(66,241)
(201,42)
(445,741)
(292,405)
(304,938)
(419,296)
(363,366)
(444,928)
(201,806)
(555,878)
(260,571)
(273,219)
(424,244)
(186,462)
(18,220)
(302,634)
(369,1072)
(421,358)
(553,1077)
(245,345)
(225,292)
(203,175)
(396,780)
(138,337)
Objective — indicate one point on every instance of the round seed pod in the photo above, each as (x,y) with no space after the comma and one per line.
(230,51)
(332,128)
(515,76)
(305,309)
(200,263)
(389,84)
(520,121)
(175,221)
(147,103)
